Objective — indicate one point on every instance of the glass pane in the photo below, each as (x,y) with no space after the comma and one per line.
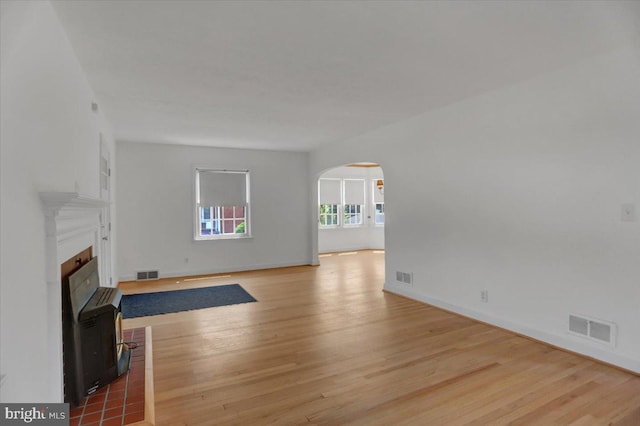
(240,227)
(227,227)
(328,214)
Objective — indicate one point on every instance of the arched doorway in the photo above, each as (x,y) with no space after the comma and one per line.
(350,209)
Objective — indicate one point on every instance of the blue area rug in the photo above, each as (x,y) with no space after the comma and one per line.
(165,302)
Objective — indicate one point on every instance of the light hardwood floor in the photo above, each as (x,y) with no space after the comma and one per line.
(325,345)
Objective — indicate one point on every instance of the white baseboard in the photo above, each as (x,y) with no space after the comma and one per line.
(221,270)
(563,342)
(347,248)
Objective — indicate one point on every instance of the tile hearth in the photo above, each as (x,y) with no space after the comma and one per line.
(122,402)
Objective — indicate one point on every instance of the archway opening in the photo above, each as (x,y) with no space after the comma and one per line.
(350,210)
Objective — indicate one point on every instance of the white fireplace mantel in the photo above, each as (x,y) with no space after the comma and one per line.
(72,223)
(58,201)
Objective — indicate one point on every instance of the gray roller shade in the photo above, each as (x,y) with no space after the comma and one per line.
(330,191)
(354,191)
(222,188)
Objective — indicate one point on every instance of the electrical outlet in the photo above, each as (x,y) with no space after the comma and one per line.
(484,296)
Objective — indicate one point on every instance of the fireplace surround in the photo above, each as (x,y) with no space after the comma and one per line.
(72,223)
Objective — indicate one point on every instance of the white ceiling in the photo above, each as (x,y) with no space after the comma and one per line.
(295,75)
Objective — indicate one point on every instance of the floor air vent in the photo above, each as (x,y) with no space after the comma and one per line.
(146,275)
(593,329)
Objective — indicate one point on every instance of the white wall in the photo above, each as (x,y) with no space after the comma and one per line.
(156,211)
(368,236)
(519,192)
(49,142)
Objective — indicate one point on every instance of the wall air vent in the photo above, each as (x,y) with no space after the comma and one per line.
(600,331)
(579,325)
(593,329)
(404,277)
(146,275)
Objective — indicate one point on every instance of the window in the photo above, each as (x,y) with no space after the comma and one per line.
(222,220)
(348,193)
(353,201)
(378,202)
(329,215)
(222,204)
(353,214)
(379,214)
(329,198)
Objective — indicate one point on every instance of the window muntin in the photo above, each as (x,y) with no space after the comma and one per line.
(221,220)
(329,215)
(352,214)
(222,204)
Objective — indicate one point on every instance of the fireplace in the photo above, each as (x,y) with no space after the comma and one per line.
(95,353)
(72,224)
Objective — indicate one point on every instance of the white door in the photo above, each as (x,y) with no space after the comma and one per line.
(105,215)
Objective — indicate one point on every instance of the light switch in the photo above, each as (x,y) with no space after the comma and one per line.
(628,213)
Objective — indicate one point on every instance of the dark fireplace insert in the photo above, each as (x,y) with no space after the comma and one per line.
(95,353)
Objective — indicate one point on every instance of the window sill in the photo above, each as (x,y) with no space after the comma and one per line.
(322,228)
(223,237)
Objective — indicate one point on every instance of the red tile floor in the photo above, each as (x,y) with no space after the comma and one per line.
(122,401)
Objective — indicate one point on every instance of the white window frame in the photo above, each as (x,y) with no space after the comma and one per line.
(217,217)
(336,214)
(359,214)
(342,207)
(373,206)
(338,205)
(345,204)
(197,210)
(373,203)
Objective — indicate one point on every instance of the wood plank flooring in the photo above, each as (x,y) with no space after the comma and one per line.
(325,345)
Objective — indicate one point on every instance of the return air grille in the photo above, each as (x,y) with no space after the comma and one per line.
(146,275)
(597,330)
(404,277)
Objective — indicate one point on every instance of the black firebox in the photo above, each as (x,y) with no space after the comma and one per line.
(94,345)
